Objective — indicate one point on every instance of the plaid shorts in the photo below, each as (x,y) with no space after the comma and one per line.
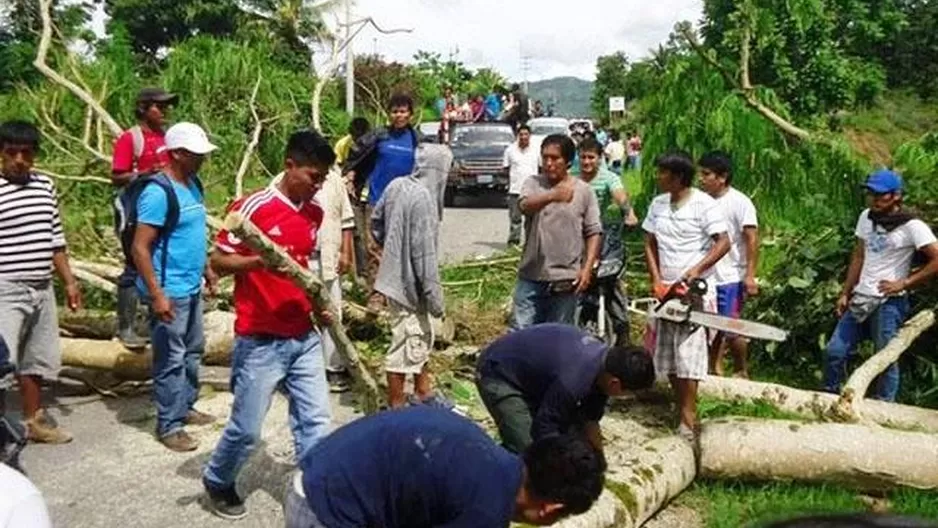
(411,340)
(681,349)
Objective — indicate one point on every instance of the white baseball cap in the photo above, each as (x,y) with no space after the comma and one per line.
(188,136)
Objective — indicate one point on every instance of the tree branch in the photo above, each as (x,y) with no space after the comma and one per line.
(743,85)
(45,42)
(255,139)
(56,176)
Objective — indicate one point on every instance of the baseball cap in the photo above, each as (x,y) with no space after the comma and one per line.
(156,95)
(884,181)
(187,136)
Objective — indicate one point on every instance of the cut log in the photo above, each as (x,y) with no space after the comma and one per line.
(276,258)
(816,405)
(868,458)
(112,356)
(641,479)
(94,280)
(859,382)
(88,324)
(105,271)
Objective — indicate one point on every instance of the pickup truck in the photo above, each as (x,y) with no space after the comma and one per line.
(478,153)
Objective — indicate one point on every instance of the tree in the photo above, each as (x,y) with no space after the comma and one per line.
(611,73)
(913,56)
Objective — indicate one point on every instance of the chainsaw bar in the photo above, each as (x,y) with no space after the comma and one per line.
(740,327)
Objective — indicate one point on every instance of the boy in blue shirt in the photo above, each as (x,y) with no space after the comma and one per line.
(175,293)
(423,467)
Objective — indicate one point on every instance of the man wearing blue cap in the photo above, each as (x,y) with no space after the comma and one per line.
(875,302)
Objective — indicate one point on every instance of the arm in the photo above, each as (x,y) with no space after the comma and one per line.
(557,410)
(594,434)
(144,237)
(719,248)
(535,202)
(652,262)
(345,251)
(377,221)
(751,237)
(64,271)
(927,271)
(424,258)
(232,263)
(853,277)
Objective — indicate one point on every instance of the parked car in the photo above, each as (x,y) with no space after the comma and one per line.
(478,153)
(541,127)
(429,132)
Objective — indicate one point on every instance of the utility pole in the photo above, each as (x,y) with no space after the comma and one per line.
(349,62)
(525,65)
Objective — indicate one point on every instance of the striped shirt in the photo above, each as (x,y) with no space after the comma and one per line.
(30,228)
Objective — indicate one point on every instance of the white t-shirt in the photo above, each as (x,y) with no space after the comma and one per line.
(615,151)
(888,256)
(21,504)
(521,164)
(739,213)
(684,235)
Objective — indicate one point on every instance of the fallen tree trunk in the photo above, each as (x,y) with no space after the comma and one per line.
(854,390)
(816,405)
(112,356)
(276,258)
(88,324)
(868,458)
(642,478)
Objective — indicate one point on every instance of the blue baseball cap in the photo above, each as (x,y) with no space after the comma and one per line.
(884,181)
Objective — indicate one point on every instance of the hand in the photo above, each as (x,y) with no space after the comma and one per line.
(350,183)
(752,287)
(324,317)
(690,275)
(562,193)
(345,263)
(211,282)
(73,296)
(583,279)
(659,290)
(163,308)
(842,303)
(631,220)
(892,287)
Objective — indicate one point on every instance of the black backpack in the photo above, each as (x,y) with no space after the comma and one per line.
(125,208)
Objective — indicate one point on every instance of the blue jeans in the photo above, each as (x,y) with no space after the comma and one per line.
(881,325)
(534,304)
(177,352)
(260,366)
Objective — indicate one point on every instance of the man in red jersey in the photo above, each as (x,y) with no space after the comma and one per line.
(276,343)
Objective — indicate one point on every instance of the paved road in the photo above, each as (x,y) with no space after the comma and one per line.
(476,226)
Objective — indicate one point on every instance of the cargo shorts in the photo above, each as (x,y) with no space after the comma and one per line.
(411,340)
(29,325)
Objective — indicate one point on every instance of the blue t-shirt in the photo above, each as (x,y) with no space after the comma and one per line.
(555,367)
(185,263)
(417,467)
(493,106)
(396,156)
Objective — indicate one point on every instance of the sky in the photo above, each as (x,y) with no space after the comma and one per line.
(562,38)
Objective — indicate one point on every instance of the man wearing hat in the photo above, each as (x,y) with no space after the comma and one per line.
(874,302)
(169,253)
(137,153)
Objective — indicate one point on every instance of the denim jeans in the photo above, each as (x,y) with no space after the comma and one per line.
(260,366)
(534,304)
(881,325)
(177,352)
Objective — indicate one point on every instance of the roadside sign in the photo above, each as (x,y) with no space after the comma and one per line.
(617,104)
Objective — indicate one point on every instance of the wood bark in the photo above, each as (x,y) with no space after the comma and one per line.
(817,405)
(99,354)
(276,258)
(868,458)
(641,479)
(88,324)
(854,390)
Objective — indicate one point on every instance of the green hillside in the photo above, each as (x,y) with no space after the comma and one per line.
(569,95)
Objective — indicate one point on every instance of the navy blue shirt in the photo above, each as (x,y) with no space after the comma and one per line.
(396,157)
(555,367)
(413,468)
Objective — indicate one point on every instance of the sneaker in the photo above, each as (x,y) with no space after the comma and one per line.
(194,417)
(225,503)
(42,429)
(338,381)
(180,441)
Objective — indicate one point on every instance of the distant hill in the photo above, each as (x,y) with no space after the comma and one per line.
(569,95)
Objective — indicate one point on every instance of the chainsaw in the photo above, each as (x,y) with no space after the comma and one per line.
(682,304)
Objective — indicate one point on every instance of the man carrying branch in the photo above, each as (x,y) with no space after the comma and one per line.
(276,344)
(875,300)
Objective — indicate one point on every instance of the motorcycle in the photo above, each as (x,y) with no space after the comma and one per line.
(591,313)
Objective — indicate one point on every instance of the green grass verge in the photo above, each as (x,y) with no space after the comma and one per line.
(732,505)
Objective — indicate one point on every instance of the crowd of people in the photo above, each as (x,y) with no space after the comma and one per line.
(500,104)
(373,203)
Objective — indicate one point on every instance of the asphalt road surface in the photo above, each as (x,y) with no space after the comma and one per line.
(477,226)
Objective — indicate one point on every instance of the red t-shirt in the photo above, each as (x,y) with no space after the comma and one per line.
(123,159)
(267,302)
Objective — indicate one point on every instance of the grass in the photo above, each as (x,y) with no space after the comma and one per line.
(899,117)
(731,504)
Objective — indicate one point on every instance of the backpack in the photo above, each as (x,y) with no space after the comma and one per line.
(125,209)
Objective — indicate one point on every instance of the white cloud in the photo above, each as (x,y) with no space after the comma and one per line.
(560,37)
